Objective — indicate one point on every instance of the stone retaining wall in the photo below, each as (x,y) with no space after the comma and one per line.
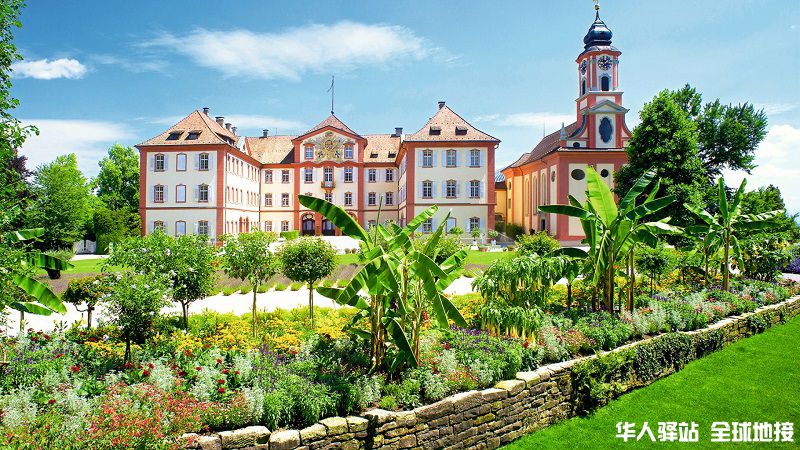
(476,419)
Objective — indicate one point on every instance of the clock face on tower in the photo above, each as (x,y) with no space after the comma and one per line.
(604,62)
(583,66)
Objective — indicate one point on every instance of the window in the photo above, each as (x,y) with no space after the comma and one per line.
(193,135)
(327,173)
(371,223)
(348,174)
(451,158)
(373,155)
(203,162)
(427,158)
(202,227)
(605,83)
(389,175)
(427,189)
(577,174)
(348,151)
(202,193)
(158,193)
(427,226)
(180,164)
(308,175)
(372,175)
(329,197)
(268,176)
(461,131)
(389,198)
(284,225)
(474,189)
(309,152)
(173,136)
(284,176)
(474,222)
(435,131)
(451,189)
(180,228)
(284,199)
(474,158)
(348,199)
(583,86)
(180,193)
(160,162)
(371,199)
(268,199)
(267,225)
(159,225)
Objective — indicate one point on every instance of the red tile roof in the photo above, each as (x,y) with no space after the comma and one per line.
(210,132)
(447,121)
(331,121)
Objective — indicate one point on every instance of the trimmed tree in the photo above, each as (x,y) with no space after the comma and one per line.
(308,260)
(87,291)
(247,257)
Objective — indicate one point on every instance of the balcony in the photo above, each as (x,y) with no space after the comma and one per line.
(327,184)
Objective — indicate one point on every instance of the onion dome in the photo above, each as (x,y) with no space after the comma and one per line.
(598,35)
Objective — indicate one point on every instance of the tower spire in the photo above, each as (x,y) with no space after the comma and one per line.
(331,90)
(597,9)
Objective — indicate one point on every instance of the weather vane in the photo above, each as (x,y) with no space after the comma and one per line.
(330,89)
(597,5)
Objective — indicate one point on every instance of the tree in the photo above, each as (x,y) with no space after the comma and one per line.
(133,304)
(727,225)
(769,198)
(62,206)
(117,182)
(185,261)
(400,283)
(613,232)
(654,262)
(666,141)
(539,243)
(727,135)
(87,291)
(247,257)
(307,260)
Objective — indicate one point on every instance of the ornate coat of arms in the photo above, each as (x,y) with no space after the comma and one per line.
(329,146)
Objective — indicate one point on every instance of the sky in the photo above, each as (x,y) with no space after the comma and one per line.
(97,73)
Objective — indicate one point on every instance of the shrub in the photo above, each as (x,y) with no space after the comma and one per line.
(246,289)
(87,291)
(290,235)
(604,330)
(280,287)
(456,231)
(296,286)
(539,244)
(327,283)
(229,290)
(513,230)
(263,288)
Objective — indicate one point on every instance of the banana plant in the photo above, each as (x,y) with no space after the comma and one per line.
(38,298)
(612,232)
(725,226)
(396,285)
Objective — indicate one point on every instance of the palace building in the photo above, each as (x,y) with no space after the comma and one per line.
(555,168)
(199,176)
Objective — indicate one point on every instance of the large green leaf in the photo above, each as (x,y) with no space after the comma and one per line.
(31,308)
(567,210)
(599,195)
(336,215)
(704,215)
(45,261)
(24,235)
(419,219)
(650,207)
(399,339)
(572,252)
(723,200)
(39,291)
(636,190)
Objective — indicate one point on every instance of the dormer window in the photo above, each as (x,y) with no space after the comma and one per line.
(435,131)
(373,155)
(392,155)
(193,135)
(174,135)
(461,131)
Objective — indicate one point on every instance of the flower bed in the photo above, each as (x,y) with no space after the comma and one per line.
(215,377)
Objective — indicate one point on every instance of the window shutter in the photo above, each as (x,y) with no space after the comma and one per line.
(419,189)
(433,190)
(419,158)
(444,158)
(458,190)
(196,162)
(197,193)
(166,227)
(152,226)
(457,157)
(444,188)
(480,158)
(210,194)
(152,195)
(166,162)
(433,158)
(468,192)
(151,162)
(211,158)
(196,227)
(166,192)
(480,189)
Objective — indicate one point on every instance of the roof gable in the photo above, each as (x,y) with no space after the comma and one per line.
(446,125)
(203,130)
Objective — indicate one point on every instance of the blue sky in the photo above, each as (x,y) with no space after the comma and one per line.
(97,72)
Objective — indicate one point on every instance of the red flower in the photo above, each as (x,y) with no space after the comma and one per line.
(75,369)
(219,361)
(446,346)
(150,365)
(236,372)
(181,373)
(51,401)
(221,390)
(187,352)
(59,355)
(220,381)
(145,373)
(526,344)
(198,368)
(47,337)
(226,371)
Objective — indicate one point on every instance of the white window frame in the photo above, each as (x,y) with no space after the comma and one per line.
(348,199)
(202,227)
(389,175)
(178,231)
(474,189)
(284,225)
(158,189)
(348,174)
(389,196)
(451,158)
(372,175)
(348,151)
(308,175)
(474,222)
(474,158)
(427,226)
(451,184)
(427,185)
(285,176)
(372,199)
(268,176)
(201,189)
(180,162)
(284,199)
(308,152)
(180,189)
(203,162)
(427,158)
(267,225)
(268,199)
(159,162)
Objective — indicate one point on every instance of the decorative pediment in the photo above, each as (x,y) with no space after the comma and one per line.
(606,106)
(329,146)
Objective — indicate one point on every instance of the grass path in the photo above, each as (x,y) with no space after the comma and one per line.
(755,379)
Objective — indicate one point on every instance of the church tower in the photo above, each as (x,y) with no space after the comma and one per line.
(599,104)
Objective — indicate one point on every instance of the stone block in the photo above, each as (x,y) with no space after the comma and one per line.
(335,425)
(494,394)
(513,387)
(212,442)
(356,424)
(284,440)
(434,410)
(378,416)
(244,437)
(466,400)
(313,433)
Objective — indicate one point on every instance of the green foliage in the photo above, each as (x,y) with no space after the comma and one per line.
(307,260)
(513,230)
(764,257)
(502,319)
(539,243)
(290,235)
(87,291)
(456,231)
(446,246)
(296,287)
(117,182)
(605,331)
(62,204)
(523,280)
(654,262)
(766,199)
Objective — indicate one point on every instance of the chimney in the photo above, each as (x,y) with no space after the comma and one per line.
(205,110)
(220,120)
(233,130)
(398,131)
(441,105)
(228,126)
(264,132)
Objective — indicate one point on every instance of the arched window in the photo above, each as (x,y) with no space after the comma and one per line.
(605,83)
(583,86)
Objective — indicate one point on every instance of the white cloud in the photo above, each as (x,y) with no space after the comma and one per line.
(88,139)
(551,121)
(141,64)
(774,109)
(44,69)
(777,165)
(289,54)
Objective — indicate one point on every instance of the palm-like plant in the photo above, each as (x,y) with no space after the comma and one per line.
(721,229)
(396,285)
(612,232)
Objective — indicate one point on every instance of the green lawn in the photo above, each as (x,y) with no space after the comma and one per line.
(756,379)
